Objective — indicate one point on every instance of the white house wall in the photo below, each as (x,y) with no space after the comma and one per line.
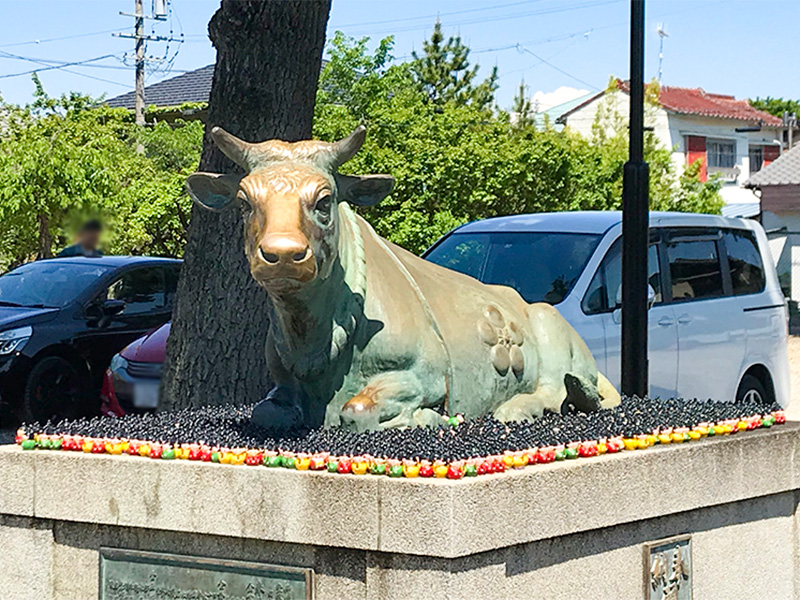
(671,130)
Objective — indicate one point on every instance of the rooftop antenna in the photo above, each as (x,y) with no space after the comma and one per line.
(662,33)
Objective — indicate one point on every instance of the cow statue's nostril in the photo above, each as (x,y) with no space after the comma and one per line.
(268,257)
(300,256)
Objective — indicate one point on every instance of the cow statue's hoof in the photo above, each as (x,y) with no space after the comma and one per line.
(276,412)
(360,413)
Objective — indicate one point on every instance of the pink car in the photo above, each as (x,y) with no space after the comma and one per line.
(132,381)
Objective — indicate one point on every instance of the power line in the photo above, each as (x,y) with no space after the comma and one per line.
(58,39)
(489,19)
(48,67)
(437,15)
(559,69)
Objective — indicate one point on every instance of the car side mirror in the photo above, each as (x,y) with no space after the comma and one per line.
(651,297)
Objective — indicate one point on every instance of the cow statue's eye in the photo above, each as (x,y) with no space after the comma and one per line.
(247,208)
(323,208)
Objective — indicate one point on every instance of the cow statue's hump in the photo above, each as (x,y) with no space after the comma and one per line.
(366,335)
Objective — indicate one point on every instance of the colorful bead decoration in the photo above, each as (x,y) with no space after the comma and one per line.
(633,426)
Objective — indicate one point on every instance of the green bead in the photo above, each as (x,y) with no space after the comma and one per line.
(766,423)
(332,466)
(396,471)
(378,469)
(168,454)
(561,454)
(215,457)
(571,453)
(712,432)
(686,437)
(274,461)
(28,444)
(45,444)
(56,444)
(289,462)
(470,471)
(453,421)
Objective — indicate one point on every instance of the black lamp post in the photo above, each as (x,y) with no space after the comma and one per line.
(635,219)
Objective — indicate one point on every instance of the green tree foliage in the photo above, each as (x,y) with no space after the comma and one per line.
(444,73)
(521,108)
(776,106)
(64,160)
(456,161)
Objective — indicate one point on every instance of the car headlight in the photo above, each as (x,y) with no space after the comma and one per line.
(117,364)
(13,340)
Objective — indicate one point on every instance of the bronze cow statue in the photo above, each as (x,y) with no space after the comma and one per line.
(365,334)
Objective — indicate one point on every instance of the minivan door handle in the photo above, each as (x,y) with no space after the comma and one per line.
(685,318)
(665,321)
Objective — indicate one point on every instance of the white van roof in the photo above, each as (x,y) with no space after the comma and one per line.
(597,221)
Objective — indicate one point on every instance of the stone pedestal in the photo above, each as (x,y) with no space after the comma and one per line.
(570,530)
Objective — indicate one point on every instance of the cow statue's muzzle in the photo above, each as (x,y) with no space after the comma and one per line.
(284,256)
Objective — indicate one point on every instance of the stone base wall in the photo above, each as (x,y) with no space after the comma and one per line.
(530,540)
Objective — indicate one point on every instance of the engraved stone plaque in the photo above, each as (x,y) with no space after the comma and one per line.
(668,569)
(134,575)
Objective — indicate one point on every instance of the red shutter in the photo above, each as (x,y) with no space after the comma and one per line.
(696,150)
(770,153)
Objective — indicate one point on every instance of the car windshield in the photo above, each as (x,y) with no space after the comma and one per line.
(542,267)
(51,283)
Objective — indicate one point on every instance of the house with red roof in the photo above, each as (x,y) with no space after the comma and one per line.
(731,138)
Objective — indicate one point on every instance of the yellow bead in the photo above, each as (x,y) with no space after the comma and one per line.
(694,435)
(302,464)
(602,448)
(411,470)
(440,471)
(677,437)
(630,443)
(664,438)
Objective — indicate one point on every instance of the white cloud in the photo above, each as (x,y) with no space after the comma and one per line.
(542,101)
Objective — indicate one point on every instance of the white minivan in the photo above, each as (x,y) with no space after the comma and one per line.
(718,321)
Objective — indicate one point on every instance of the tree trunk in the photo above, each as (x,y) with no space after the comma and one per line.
(45,243)
(269,55)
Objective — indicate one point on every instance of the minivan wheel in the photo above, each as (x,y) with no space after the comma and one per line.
(752,390)
(53,391)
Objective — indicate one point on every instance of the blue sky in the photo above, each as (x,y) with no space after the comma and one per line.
(745,48)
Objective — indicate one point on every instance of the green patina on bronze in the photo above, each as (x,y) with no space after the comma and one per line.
(366,334)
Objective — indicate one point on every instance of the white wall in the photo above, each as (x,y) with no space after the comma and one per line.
(671,130)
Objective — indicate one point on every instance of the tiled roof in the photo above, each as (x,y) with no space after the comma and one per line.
(696,101)
(194,86)
(783,171)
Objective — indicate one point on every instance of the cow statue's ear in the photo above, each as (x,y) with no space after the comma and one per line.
(364,190)
(212,191)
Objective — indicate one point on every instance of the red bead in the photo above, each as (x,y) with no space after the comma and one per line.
(454,472)
(426,471)
(344,466)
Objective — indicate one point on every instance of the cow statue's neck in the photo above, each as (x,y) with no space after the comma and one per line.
(313,327)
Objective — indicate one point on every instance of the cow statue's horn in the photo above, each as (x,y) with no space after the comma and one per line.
(244,154)
(345,149)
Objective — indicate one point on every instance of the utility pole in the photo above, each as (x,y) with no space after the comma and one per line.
(139,110)
(635,225)
(159,13)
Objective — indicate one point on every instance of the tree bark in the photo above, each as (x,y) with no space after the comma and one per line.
(269,54)
(45,243)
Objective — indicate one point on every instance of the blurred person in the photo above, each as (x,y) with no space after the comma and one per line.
(88,240)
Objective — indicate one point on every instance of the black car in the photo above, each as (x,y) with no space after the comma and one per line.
(62,320)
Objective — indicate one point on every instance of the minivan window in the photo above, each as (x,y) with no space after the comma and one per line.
(744,260)
(601,295)
(541,266)
(694,269)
